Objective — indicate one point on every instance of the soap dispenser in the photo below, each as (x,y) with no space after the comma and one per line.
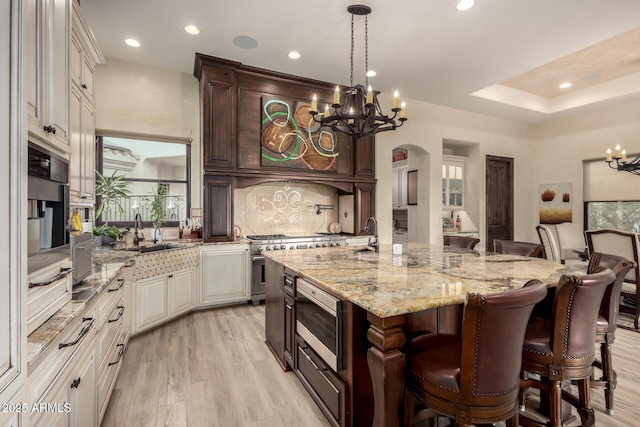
(458,222)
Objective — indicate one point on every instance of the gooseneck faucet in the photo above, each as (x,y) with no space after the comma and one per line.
(374,244)
(137,223)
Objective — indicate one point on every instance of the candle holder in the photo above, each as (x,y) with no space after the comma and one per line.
(621,162)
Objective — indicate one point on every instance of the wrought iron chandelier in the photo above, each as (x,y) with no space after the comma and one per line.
(359,114)
(622,164)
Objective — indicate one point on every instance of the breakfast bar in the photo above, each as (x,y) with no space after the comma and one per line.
(390,289)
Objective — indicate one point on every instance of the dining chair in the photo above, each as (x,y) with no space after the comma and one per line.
(561,347)
(548,240)
(607,322)
(514,247)
(626,245)
(473,377)
(461,241)
(571,241)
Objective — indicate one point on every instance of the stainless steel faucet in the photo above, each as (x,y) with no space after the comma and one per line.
(374,244)
(137,221)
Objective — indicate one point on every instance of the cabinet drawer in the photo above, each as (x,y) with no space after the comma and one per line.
(324,386)
(110,329)
(109,297)
(43,299)
(109,369)
(59,353)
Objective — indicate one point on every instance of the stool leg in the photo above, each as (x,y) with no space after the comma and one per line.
(584,393)
(607,375)
(408,407)
(555,403)
(523,391)
(514,421)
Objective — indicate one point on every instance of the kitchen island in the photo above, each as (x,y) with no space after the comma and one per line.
(391,292)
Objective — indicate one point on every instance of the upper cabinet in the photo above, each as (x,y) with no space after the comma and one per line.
(47,50)
(399,184)
(84,55)
(453,182)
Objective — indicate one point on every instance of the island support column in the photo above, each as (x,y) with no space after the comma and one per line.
(387,367)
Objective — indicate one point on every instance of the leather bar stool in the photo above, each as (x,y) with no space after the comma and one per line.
(607,322)
(562,347)
(461,242)
(474,377)
(514,247)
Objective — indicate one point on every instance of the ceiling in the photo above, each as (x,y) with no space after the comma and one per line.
(502,57)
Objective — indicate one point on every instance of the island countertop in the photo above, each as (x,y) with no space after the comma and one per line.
(423,277)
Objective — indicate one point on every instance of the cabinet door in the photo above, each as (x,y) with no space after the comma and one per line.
(365,206)
(88,153)
(82,391)
(218,118)
(394,187)
(452,184)
(218,209)
(181,291)
(75,60)
(224,276)
(75,141)
(402,186)
(151,301)
(57,397)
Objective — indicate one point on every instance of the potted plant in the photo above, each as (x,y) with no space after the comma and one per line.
(111,190)
(156,213)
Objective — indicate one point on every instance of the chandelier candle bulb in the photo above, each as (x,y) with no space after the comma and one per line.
(326,110)
(369,95)
(618,152)
(336,96)
(403,111)
(351,114)
(396,99)
(624,156)
(314,103)
(609,155)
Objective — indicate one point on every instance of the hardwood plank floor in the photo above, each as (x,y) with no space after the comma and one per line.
(208,368)
(212,368)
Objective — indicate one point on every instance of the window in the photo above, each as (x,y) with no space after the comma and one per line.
(146,163)
(620,215)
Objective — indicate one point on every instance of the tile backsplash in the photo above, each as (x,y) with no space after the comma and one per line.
(284,207)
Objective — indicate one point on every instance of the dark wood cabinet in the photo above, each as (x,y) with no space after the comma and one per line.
(218,208)
(365,157)
(364,206)
(274,309)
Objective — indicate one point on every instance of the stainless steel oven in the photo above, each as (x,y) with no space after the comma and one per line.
(319,322)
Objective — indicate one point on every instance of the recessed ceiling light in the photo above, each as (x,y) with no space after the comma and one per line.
(465,5)
(565,85)
(245,42)
(192,29)
(370,73)
(294,55)
(132,42)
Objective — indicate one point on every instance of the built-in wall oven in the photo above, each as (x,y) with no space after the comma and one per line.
(319,322)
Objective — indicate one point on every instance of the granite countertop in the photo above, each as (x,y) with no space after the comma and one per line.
(106,265)
(423,277)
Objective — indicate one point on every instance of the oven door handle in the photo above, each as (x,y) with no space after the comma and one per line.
(319,369)
(258,258)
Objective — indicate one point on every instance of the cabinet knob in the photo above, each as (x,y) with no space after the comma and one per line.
(84,86)
(75,383)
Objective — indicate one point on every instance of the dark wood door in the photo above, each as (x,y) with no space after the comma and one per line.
(499,199)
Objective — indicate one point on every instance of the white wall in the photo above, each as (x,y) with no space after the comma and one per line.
(427,127)
(562,145)
(139,99)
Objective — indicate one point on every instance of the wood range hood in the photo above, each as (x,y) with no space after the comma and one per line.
(231,99)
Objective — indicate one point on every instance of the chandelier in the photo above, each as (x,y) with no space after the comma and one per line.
(622,164)
(356,111)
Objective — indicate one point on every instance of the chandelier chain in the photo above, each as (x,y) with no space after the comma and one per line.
(351,81)
(366,52)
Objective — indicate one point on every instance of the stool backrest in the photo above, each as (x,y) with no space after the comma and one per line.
(461,241)
(513,247)
(493,329)
(611,300)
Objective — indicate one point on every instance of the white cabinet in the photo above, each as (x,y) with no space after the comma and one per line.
(47,51)
(181,291)
(453,182)
(160,298)
(399,184)
(400,236)
(224,274)
(84,55)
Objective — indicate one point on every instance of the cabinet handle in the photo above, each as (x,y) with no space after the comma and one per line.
(120,285)
(170,276)
(120,353)
(320,370)
(120,313)
(75,383)
(84,86)
(130,263)
(64,272)
(84,331)
(50,129)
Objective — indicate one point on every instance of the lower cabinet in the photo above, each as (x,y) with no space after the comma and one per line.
(224,274)
(160,298)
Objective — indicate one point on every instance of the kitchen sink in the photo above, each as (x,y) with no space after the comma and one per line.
(151,248)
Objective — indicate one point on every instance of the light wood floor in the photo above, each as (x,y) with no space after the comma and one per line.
(212,368)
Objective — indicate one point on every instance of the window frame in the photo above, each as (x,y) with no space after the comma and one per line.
(100,135)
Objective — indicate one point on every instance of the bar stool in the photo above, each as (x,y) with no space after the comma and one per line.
(473,377)
(562,347)
(514,247)
(461,242)
(607,322)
